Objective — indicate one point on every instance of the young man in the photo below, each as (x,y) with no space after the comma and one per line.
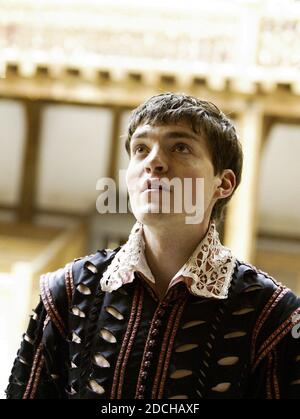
(171,314)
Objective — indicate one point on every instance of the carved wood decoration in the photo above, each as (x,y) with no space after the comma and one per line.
(99,52)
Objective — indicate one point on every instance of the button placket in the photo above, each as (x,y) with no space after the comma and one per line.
(153,336)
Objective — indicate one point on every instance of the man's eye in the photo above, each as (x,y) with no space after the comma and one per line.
(182,148)
(139,149)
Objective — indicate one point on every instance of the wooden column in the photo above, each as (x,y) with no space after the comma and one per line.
(114,147)
(30,161)
(240,227)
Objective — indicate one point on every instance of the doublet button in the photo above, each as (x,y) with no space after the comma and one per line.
(154,332)
(144,375)
(157,323)
(149,355)
(152,343)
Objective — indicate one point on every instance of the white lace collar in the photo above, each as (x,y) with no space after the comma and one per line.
(207,272)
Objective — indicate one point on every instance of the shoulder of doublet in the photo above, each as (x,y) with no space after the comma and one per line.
(57,288)
(249,278)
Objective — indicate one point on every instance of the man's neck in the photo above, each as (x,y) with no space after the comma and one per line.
(168,247)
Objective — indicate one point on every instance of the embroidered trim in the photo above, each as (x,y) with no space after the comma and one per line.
(36,369)
(69,282)
(277,333)
(275,337)
(272,380)
(268,383)
(181,306)
(275,378)
(147,348)
(164,346)
(37,377)
(49,304)
(207,273)
(130,343)
(127,342)
(272,302)
(117,380)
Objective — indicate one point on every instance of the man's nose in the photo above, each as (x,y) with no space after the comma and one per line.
(156,162)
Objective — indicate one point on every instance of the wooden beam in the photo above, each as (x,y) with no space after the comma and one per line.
(80,216)
(30,161)
(278,237)
(287,120)
(267,125)
(122,94)
(20,229)
(115,142)
(7,207)
(42,212)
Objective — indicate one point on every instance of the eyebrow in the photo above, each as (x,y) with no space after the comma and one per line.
(176,135)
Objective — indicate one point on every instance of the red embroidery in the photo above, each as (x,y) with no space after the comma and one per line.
(127,343)
(268,383)
(275,337)
(273,301)
(69,282)
(163,351)
(49,305)
(275,378)
(181,305)
(36,369)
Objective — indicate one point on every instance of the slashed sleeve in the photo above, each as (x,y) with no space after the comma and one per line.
(276,363)
(40,367)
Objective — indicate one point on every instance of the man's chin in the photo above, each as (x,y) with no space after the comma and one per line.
(154,218)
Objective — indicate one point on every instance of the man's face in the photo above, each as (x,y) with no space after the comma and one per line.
(168,152)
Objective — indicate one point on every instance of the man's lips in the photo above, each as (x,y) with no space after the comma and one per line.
(155,184)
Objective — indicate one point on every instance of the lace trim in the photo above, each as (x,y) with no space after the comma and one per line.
(121,270)
(210,267)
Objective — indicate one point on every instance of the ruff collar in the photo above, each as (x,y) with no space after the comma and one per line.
(207,273)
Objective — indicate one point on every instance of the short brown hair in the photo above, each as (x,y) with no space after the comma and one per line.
(206,119)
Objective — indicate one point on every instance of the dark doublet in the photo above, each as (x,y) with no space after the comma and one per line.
(82,342)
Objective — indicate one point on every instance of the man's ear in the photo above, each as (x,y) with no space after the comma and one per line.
(226,184)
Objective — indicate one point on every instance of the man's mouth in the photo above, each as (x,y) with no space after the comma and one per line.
(155,185)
